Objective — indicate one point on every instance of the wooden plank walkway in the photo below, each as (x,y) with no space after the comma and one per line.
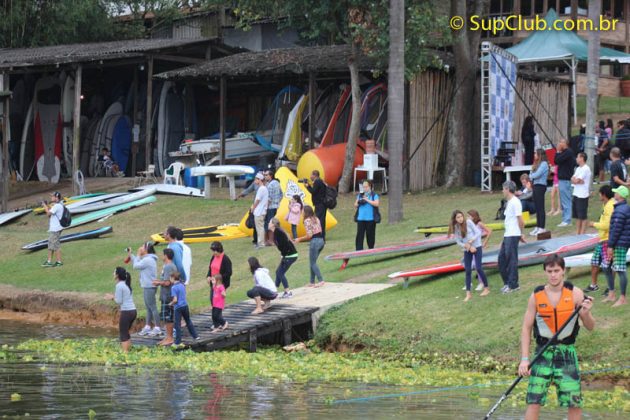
(243,326)
(285,319)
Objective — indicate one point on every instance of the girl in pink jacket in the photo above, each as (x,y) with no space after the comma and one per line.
(294,214)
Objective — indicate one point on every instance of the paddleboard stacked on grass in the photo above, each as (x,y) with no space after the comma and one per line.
(95,233)
(12,215)
(206,234)
(428,230)
(107,202)
(70,200)
(171,189)
(584,260)
(100,214)
(528,254)
(432,243)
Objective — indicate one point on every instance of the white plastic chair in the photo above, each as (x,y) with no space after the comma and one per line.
(172,174)
(145,176)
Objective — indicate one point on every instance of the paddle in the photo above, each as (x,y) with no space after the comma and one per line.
(534,360)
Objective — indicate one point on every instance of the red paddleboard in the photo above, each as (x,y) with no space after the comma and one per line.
(437,242)
(529,254)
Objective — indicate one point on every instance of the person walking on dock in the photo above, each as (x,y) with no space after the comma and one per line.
(218,303)
(166,312)
(287,251)
(180,306)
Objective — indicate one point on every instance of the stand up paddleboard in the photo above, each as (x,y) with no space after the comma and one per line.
(36,246)
(172,189)
(584,260)
(428,230)
(528,254)
(97,215)
(436,242)
(12,215)
(112,202)
(206,234)
(48,129)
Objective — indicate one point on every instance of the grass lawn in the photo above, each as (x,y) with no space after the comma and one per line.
(427,317)
(607,105)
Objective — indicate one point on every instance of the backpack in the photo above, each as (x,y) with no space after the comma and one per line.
(66,217)
(330,200)
(500,213)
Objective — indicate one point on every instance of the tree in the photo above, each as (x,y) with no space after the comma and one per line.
(460,119)
(396,106)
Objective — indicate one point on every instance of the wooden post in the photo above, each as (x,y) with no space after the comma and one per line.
(147,145)
(253,340)
(134,120)
(5,96)
(76,126)
(312,91)
(222,100)
(286,332)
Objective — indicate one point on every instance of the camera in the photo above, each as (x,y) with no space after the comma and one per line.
(127,249)
(303,181)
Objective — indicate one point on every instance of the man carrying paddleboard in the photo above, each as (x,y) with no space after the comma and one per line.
(548,308)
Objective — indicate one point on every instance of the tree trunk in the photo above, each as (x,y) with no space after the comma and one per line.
(396,108)
(594,10)
(461,119)
(355,124)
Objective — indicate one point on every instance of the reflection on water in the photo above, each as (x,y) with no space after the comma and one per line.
(56,392)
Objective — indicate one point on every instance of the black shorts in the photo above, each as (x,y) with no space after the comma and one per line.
(166,312)
(580,208)
(124,324)
(261,292)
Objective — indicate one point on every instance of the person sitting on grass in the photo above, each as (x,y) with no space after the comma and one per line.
(180,306)
(166,311)
(218,303)
(264,290)
(123,297)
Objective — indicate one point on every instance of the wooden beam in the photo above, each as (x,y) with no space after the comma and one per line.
(134,121)
(6,98)
(312,92)
(222,100)
(147,145)
(178,59)
(76,126)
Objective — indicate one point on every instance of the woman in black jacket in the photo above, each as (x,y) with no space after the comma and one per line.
(527,137)
(219,264)
(288,252)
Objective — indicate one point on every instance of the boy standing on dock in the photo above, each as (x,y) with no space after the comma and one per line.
(180,305)
(548,309)
(166,311)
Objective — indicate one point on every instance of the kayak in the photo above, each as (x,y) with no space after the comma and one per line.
(528,254)
(95,233)
(426,244)
(206,234)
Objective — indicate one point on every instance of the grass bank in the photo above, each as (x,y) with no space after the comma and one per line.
(427,318)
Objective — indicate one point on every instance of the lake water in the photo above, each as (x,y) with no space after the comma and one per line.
(69,392)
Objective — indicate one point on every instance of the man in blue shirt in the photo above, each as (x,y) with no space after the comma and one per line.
(171,235)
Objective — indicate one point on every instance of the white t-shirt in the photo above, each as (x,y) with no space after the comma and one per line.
(186,260)
(513,209)
(262,195)
(582,190)
(54,223)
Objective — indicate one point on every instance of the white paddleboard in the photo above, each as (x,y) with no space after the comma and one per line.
(172,189)
(8,216)
(228,170)
(583,260)
(114,201)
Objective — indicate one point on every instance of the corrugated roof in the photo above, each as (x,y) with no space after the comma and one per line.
(83,53)
(299,60)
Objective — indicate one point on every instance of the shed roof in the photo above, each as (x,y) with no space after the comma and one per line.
(298,60)
(11,58)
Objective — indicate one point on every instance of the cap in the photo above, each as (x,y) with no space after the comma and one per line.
(260,176)
(56,194)
(622,191)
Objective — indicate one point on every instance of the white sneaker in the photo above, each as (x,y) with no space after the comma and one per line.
(564,224)
(479,287)
(534,232)
(155,332)
(145,331)
(464,288)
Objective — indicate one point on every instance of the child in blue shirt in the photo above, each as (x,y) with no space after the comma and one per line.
(180,305)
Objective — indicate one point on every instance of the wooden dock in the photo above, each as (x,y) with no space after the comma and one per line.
(286,321)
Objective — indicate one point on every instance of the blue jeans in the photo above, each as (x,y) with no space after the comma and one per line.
(508,261)
(294,231)
(314,248)
(179,314)
(468,257)
(281,271)
(564,187)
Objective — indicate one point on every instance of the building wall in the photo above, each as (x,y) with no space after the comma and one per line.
(606,85)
